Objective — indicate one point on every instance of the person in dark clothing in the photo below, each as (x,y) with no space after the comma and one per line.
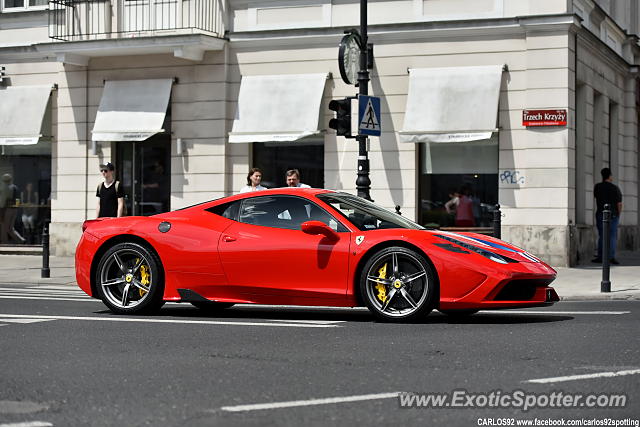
(110,194)
(607,193)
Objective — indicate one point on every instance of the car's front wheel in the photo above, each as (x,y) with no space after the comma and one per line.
(398,284)
(129,279)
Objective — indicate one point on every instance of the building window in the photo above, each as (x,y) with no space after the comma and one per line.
(275,159)
(16,5)
(458,183)
(25,185)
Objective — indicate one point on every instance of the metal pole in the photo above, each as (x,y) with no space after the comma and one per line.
(605,284)
(497,222)
(45,272)
(363,183)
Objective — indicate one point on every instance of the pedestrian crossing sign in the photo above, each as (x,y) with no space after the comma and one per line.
(369,115)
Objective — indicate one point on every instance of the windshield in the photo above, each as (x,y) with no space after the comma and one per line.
(364,214)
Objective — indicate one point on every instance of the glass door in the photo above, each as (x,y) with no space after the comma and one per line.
(144,171)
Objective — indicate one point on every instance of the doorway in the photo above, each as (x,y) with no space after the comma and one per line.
(145,173)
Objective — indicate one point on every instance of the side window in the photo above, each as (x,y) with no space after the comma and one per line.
(284,212)
(316,213)
(227,210)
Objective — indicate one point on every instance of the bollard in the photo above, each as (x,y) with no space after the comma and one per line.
(605,284)
(45,272)
(497,219)
(398,210)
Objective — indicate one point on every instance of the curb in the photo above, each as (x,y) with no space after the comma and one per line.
(601,297)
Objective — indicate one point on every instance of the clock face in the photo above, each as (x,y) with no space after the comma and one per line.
(349,58)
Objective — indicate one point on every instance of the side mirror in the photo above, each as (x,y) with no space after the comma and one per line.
(318,227)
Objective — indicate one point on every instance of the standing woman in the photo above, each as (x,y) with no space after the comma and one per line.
(253,181)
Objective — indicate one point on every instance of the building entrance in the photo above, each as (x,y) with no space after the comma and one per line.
(145,173)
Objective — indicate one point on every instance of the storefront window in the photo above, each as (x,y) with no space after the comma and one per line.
(274,159)
(458,183)
(25,171)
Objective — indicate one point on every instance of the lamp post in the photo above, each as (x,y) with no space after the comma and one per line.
(363,183)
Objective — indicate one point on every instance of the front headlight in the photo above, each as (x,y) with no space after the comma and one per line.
(500,259)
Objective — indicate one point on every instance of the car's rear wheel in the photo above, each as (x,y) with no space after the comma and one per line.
(212,306)
(398,284)
(129,279)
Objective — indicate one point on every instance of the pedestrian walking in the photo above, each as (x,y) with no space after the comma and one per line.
(606,192)
(293,179)
(253,181)
(110,194)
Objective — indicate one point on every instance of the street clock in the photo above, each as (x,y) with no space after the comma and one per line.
(349,58)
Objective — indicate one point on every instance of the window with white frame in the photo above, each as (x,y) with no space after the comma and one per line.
(18,5)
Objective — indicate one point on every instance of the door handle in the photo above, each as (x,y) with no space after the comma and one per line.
(227,238)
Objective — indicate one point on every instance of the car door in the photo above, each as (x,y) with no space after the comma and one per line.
(266,253)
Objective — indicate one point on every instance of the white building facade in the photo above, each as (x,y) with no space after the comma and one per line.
(185,96)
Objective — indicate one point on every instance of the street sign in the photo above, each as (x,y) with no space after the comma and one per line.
(369,115)
(544,117)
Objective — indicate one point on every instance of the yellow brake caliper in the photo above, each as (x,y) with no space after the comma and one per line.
(144,278)
(382,291)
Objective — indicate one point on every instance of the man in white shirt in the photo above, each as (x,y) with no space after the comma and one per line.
(293,179)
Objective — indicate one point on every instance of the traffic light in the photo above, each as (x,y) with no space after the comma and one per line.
(342,122)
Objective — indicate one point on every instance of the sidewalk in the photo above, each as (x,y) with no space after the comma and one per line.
(579,283)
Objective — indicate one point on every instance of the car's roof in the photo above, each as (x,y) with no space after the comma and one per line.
(294,191)
(282,190)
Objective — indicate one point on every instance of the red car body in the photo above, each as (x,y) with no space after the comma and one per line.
(225,260)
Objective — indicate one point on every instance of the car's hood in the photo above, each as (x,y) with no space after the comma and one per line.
(490,244)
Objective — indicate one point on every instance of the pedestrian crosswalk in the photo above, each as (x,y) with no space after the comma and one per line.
(49,292)
(35,292)
(5,322)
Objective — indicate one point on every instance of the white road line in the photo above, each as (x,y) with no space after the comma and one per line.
(36,292)
(24,321)
(44,295)
(68,289)
(313,322)
(28,424)
(310,402)
(59,287)
(48,298)
(585,376)
(559,312)
(177,321)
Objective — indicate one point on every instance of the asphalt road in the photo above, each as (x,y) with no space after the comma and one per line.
(66,361)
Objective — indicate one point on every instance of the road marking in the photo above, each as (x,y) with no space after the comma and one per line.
(314,322)
(38,289)
(24,321)
(310,402)
(561,312)
(48,298)
(28,424)
(50,292)
(177,321)
(585,376)
(73,287)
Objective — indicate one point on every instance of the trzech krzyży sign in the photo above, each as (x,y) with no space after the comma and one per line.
(544,117)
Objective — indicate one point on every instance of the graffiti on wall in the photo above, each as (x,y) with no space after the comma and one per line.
(512,177)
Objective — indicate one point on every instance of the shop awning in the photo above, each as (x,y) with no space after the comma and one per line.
(22,109)
(278,108)
(131,110)
(454,104)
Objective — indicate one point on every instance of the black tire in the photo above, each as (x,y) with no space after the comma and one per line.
(212,306)
(405,277)
(459,313)
(130,280)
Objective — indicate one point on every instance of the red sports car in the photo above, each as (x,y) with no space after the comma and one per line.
(303,247)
